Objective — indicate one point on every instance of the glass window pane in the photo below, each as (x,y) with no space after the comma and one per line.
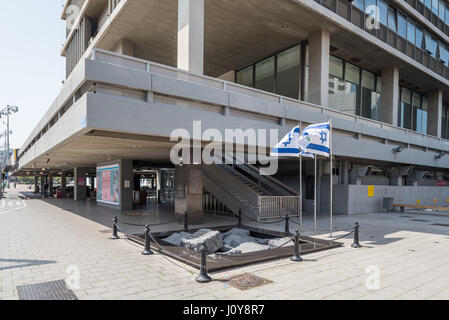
(441,10)
(383,9)
(392,19)
(336,67)
(410,31)
(424,103)
(416,101)
(369,6)
(379,84)
(352,73)
(406,95)
(265,75)
(343,95)
(446,18)
(368,80)
(435,6)
(444,54)
(288,73)
(402,25)
(245,76)
(419,38)
(359,4)
(428,4)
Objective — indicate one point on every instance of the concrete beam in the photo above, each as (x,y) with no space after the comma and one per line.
(191,35)
(319,44)
(390,95)
(435,113)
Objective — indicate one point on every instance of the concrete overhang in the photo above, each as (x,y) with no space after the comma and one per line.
(238,33)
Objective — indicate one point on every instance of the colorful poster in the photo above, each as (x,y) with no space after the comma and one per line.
(108,184)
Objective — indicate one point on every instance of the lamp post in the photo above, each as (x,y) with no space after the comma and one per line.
(7,112)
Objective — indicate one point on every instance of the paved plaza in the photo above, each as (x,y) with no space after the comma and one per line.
(403,257)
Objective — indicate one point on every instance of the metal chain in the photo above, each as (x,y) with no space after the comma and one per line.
(250,254)
(262,222)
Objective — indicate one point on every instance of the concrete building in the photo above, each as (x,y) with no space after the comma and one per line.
(139,69)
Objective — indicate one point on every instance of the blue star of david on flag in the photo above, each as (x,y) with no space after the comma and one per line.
(315,139)
(289,146)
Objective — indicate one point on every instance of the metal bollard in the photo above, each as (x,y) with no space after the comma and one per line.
(186,222)
(296,257)
(240,217)
(114,229)
(287,225)
(147,251)
(203,276)
(356,243)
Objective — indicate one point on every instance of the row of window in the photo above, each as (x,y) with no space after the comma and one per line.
(405,27)
(412,111)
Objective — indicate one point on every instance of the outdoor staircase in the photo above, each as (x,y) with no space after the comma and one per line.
(241,187)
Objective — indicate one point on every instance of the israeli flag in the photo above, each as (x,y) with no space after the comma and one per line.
(315,139)
(289,145)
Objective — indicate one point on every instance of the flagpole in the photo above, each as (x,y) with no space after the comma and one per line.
(331,178)
(314,201)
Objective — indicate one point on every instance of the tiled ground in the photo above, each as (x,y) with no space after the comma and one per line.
(49,240)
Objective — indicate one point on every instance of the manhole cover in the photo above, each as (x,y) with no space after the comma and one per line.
(248,281)
(53,290)
(440,224)
(419,220)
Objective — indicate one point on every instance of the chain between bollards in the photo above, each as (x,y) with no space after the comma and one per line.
(287,225)
(203,276)
(296,257)
(114,228)
(356,243)
(147,251)
(186,221)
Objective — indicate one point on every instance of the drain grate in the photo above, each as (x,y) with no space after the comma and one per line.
(440,224)
(419,220)
(248,281)
(53,290)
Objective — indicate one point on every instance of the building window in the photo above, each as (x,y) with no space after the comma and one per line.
(441,10)
(287,72)
(392,19)
(336,67)
(419,38)
(245,76)
(344,84)
(383,9)
(278,74)
(435,6)
(410,31)
(264,75)
(402,25)
(445,124)
(405,109)
(419,104)
(371,95)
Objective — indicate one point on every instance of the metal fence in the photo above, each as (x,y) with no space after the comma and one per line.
(278,206)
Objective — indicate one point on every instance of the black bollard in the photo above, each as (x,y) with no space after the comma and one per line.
(287,225)
(203,276)
(186,222)
(296,257)
(147,251)
(114,229)
(240,217)
(356,243)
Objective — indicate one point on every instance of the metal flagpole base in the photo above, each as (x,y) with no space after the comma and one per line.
(296,259)
(203,278)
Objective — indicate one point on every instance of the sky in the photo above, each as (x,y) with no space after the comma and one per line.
(31,67)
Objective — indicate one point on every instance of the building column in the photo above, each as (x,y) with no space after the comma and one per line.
(344,172)
(36,183)
(125,47)
(80,192)
(191,35)
(435,113)
(319,44)
(50,186)
(64,185)
(189,193)
(43,186)
(390,95)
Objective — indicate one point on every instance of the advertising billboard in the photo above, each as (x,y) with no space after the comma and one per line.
(108,184)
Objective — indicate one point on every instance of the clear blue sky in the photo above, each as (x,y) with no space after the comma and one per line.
(31,68)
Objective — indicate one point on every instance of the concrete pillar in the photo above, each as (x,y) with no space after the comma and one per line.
(390,95)
(80,192)
(64,185)
(189,193)
(344,172)
(126,184)
(125,46)
(50,186)
(36,183)
(191,35)
(435,113)
(319,44)
(43,186)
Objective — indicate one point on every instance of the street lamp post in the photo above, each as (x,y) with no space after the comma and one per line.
(7,112)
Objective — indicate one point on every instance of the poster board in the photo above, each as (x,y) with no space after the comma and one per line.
(108,184)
